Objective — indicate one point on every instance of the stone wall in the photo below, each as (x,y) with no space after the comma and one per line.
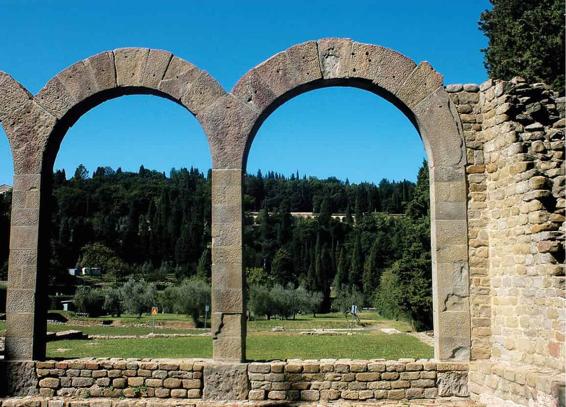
(293,380)
(515,144)
(332,379)
(121,378)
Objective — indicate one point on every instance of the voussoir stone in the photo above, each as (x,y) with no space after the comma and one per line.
(382,66)
(13,96)
(335,56)
(130,63)
(423,81)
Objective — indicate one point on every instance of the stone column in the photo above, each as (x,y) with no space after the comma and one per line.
(25,304)
(450,277)
(228,307)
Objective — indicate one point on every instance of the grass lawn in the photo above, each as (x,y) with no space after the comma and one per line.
(262,343)
(261,346)
(334,320)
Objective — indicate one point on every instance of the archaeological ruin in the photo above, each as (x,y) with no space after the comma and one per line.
(496,159)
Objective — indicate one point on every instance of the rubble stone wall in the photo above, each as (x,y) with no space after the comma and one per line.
(293,380)
(120,378)
(515,144)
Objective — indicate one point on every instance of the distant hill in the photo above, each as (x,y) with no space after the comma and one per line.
(5,188)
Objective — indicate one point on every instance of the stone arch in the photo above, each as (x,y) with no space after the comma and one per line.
(36,125)
(418,91)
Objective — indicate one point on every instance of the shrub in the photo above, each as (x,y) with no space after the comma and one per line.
(89,300)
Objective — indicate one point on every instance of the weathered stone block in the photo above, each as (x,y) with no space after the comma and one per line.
(49,382)
(155,66)
(423,81)
(13,97)
(334,55)
(310,395)
(130,63)
(202,92)
(384,67)
(452,384)
(178,76)
(103,70)
(225,382)
(55,98)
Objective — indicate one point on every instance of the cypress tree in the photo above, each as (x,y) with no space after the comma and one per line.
(356,263)
(370,278)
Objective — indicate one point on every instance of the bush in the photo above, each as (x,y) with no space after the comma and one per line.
(138,296)
(192,296)
(89,300)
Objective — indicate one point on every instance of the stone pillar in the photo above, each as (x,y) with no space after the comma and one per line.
(450,277)
(25,308)
(228,307)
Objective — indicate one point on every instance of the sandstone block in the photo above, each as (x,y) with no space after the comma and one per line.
(225,382)
(49,382)
(256,395)
(423,81)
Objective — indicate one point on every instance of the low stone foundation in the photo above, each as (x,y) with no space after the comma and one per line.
(121,378)
(278,381)
(357,380)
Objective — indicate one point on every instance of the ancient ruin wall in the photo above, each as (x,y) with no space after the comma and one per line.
(293,380)
(514,192)
(515,143)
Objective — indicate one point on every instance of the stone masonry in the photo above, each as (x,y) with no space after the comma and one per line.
(497,180)
(293,380)
(515,139)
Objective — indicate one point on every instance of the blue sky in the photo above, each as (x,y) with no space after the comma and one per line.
(343,132)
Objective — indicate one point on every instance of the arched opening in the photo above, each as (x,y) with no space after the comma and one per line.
(418,92)
(338,218)
(129,233)
(6,182)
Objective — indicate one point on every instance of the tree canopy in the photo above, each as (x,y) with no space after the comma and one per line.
(526,38)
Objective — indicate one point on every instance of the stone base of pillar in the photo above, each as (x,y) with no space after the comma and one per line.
(226,381)
(18,378)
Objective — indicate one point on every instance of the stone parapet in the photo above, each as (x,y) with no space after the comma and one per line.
(357,380)
(129,378)
(292,380)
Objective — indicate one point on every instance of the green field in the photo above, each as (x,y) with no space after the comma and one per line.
(259,347)
(262,343)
